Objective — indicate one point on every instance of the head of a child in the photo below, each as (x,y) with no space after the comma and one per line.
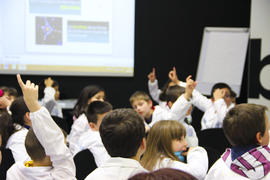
(95,113)
(172,94)
(164,89)
(122,132)
(246,125)
(35,150)
(165,138)
(6,127)
(88,94)
(226,88)
(20,112)
(141,103)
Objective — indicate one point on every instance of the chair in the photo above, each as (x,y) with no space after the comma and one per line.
(85,163)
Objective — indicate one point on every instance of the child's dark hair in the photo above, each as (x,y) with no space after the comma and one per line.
(18,109)
(33,147)
(220,85)
(95,108)
(82,102)
(243,122)
(162,96)
(122,132)
(174,92)
(6,127)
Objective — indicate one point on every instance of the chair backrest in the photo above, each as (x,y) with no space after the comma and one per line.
(7,162)
(214,138)
(85,163)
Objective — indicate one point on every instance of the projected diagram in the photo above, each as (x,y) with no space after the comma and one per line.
(49,30)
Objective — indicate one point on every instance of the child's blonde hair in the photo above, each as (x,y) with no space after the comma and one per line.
(139,95)
(159,142)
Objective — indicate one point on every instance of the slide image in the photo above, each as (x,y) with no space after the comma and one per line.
(49,30)
(88,31)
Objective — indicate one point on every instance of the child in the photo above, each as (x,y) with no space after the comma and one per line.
(91,138)
(246,127)
(164,174)
(45,144)
(215,108)
(4,101)
(21,121)
(88,94)
(158,95)
(51,96)
(167,137)
(142,103)
(172,93)
(122,132)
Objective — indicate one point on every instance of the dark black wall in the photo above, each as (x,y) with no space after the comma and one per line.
(167,33)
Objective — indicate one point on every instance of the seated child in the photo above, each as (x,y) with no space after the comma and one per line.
(4,101)
(215,108)
(159,95)
(164,174)
(45,144)
(246,127)
(122,132)
(167,137)
(142,103)
(51,96)
(80,125)
(21,121)
(91,138)
(172,93)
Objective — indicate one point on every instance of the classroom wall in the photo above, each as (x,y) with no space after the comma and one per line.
(260,25)
(167,34)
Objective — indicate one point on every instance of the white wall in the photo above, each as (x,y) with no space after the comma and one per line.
(260,28)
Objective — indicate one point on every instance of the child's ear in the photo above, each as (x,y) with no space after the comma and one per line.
(150,103)
(170,104)
(27,116)
(259,138)
(92,126)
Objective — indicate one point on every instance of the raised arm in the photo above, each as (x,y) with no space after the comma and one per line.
(48,133)
(154,91)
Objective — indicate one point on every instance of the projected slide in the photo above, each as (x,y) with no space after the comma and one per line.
(67,37)
(55,6)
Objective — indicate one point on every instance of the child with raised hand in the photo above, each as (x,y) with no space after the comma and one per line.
(57,163)
(214,108)
(246,126)
(51,96)
(142,103)
(157,94)
(80,125)
(164,139)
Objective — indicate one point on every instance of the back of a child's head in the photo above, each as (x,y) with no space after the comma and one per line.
(122,132)
(33,147)
(82,102)
(18,109)
(243,122)
(163,174)
(6,127)
(139,95)
(159,141)
(173,92)
(220,85)
(95,108)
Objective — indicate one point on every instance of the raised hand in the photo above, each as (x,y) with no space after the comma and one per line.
(48,82)
(173,76)
(30,94)
(190,86)
(152,75)
(219,94)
